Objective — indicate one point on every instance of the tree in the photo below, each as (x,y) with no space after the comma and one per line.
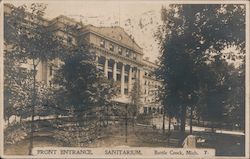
(31,38)
(82,89)
(135,98)
(189,37)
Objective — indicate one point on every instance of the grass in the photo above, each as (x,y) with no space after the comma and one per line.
(21,148)
(225,144)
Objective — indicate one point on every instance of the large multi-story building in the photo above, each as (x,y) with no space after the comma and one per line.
(117,55)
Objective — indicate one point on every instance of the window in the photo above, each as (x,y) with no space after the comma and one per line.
(120,50)
(110,75)
(154,110)
(126,91)
(127,53)
(50,83)
(145,110)
(102,43)
(118,77)
(50,70)
(111,47)
(119,90)
(134,56)
(126,79)
(150,109)
(158,110)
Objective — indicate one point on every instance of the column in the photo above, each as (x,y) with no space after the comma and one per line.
(114,70)
(130,79)
(140,77)
(122,79)
(106,67)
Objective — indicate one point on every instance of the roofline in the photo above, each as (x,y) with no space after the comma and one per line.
(64,16)
(150,63)
(111,39)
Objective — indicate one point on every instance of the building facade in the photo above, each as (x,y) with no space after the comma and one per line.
(117,55)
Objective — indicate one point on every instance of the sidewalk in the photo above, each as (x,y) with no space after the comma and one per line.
(203,129)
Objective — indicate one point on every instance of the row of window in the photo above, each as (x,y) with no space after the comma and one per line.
(125,91)
(149,110)
(148,83)
(118,49)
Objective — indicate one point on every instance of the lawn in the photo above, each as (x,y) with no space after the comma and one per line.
(225,144)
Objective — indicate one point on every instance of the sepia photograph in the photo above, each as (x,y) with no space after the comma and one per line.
(124,79)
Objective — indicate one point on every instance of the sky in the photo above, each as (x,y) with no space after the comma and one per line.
(139,18)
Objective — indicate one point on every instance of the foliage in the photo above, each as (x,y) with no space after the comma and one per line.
(193,67)
(15,133)
(135,98)
(28,36)
(81,84)
(82,90)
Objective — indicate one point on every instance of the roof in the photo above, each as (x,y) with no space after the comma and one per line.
(117,34)
(66,20)
(150,64)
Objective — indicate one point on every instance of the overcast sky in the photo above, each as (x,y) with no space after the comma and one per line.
(138,18)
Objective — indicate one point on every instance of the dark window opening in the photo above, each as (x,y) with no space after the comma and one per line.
(110,75)
(50,70)
(154,110)
(149,109)
(127,53)
(102,43)
(50,83)
(111,47)
(118,77)
(126,79)
(145,110)
(120,50)
(126,91)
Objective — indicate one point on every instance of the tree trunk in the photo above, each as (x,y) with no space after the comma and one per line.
(163,121)
(191,120)
(183,124)
(107,115)
(183,118)
(169,123)
(33,108)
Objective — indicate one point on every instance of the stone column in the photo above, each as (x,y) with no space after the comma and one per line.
(140,76)
(122,79)
(114,70)
(130,79)
(106,67)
